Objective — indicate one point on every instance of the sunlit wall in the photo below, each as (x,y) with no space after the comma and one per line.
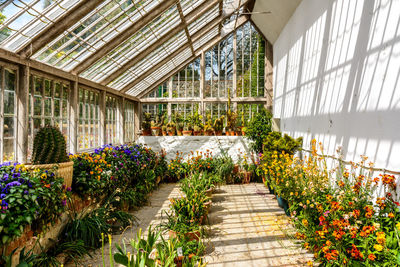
(336,77)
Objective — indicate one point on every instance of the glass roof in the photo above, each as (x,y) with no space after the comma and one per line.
(93,31)
(22,20)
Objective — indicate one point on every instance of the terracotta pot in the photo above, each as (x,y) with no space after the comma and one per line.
(208,133)
(187,133)
(64,170)
(155,131)
(196,133)
(238,133)
(231,133)
(243,133)
(190,236)
(171,133)
(179,133)
(164,133)
(218,133)
(146,132)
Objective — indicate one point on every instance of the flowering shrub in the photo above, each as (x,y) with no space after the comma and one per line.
(339,220)
(117,167)
(35,198)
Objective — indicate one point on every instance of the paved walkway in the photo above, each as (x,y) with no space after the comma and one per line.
(247,228)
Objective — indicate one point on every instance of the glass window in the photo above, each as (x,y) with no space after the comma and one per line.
(112,131)
(129,122)
(48,105)
(89,120)
(8,114)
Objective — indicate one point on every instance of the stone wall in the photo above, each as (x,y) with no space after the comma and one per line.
(185,144)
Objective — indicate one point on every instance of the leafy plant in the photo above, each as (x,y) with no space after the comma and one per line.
(258,129)
(24,260)
(146,124)
(49,146)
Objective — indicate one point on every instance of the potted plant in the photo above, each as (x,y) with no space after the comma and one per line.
(187,130)
(208,129)
(50,152)
(179,128)
(171,128)
(219,125)
(164,130)
(244,130)
(197,130)
(146,124)
(230,118)
(155,128)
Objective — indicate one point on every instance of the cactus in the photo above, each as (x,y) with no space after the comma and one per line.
(49,146)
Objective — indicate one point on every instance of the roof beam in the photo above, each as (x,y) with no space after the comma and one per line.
(61,25)
(190,18)
(241,21)
(183,19)
(118,39)
(49,70)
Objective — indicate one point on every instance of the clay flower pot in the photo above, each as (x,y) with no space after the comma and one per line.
(155,130)
(179,133)
(218,133)
(197,133)
(146,132)
(208,133)
(187,133)
(164,133)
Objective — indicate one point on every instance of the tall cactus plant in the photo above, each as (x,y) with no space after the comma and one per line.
(49,146)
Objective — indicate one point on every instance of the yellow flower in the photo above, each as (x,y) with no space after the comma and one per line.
(378,247)
(398,226)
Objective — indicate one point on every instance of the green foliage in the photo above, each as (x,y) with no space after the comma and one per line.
(49,146)
(28,198)
(219,124)
(275,142)
(258,129)
(25,259)
(146,124)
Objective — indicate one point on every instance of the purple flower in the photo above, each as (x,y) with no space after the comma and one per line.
(15,183)
(69,189)
(2,196)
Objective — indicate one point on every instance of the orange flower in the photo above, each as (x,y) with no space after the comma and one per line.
(47,185)
(372,257)
(391,215)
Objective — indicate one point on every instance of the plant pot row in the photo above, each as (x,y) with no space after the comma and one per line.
(282,202)
(156,131)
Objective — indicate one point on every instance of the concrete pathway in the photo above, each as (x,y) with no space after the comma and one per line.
(247,228)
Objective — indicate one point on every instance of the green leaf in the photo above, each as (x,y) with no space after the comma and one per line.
(121,259)
(4,239)
(398,259)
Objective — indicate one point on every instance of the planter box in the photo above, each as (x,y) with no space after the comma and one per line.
(64,170)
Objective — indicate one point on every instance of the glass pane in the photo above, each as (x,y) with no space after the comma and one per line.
(9,102)
(8,150)
(8,127)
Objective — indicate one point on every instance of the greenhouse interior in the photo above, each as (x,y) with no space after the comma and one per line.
(199,133)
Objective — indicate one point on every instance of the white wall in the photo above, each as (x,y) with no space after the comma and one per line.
(337,77)
(232,145)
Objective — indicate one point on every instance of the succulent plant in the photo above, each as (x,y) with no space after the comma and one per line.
(49,146)
(146,124)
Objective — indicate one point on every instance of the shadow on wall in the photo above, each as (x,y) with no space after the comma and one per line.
(337,68)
